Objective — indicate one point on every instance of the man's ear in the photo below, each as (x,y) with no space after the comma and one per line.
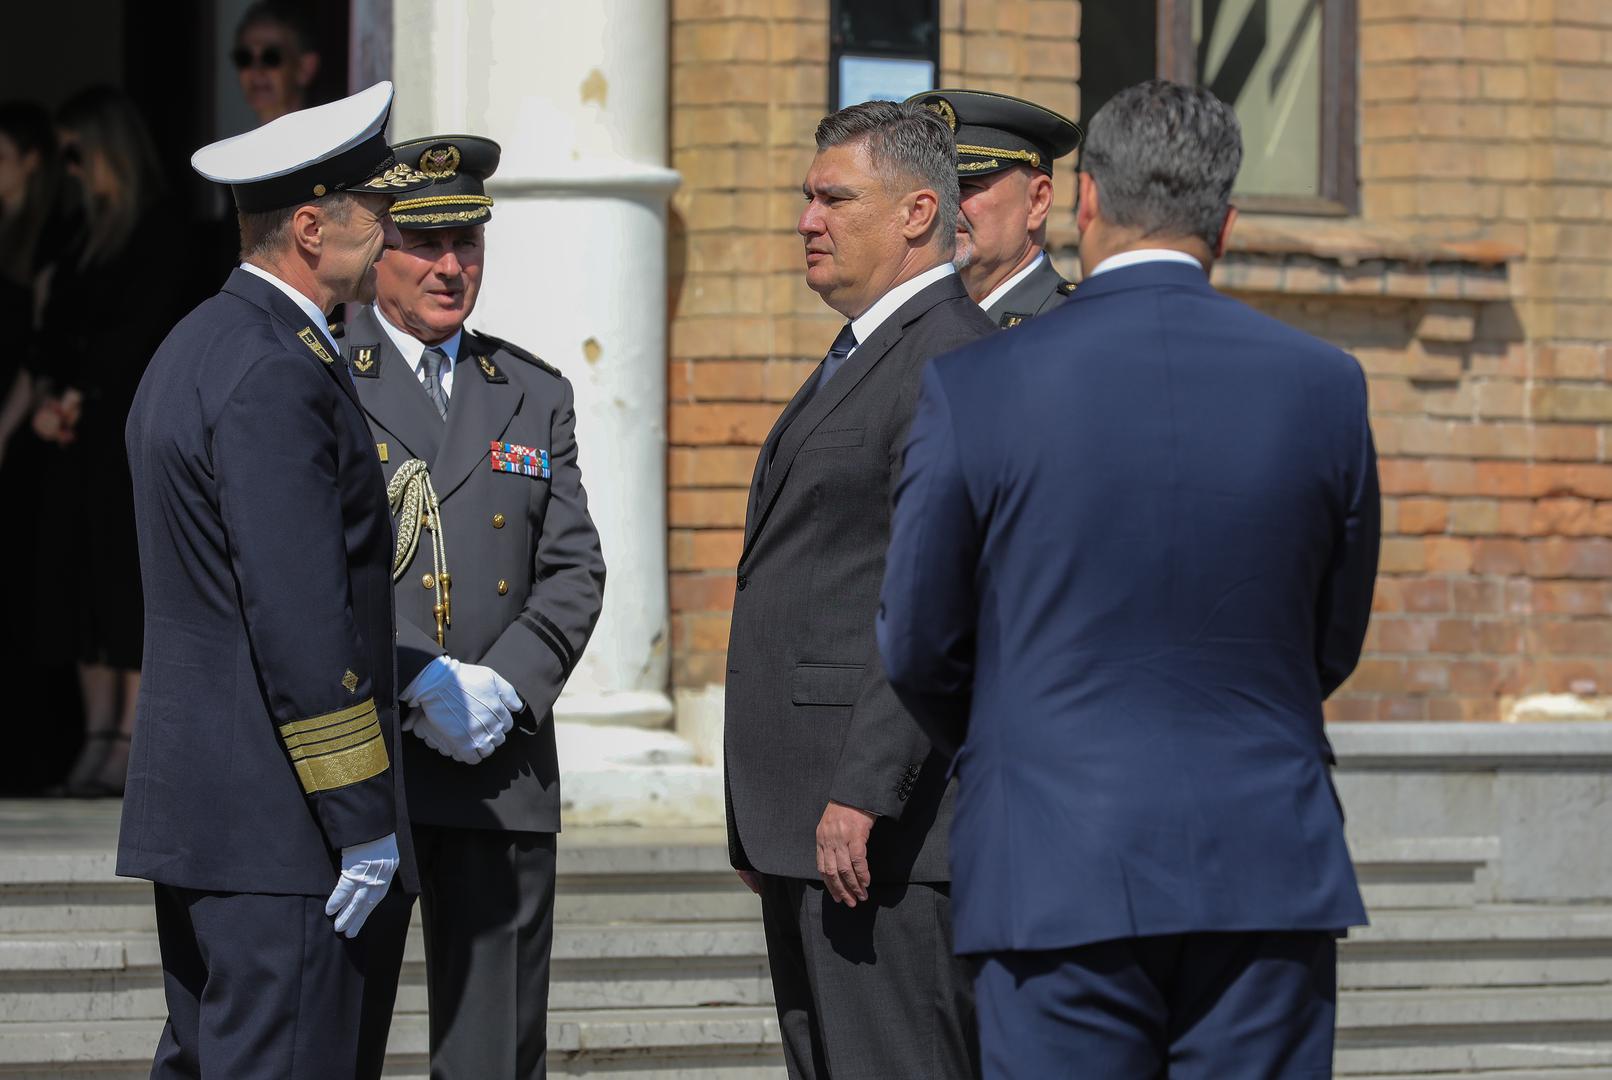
(1039,196)
(1087,211)
(307,69)
(307,229)
(1225,232)
(921,208)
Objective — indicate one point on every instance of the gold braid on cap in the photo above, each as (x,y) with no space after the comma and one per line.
(1029,156)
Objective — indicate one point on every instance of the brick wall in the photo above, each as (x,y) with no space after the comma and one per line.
(1472,287)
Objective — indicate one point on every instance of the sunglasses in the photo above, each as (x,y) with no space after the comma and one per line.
(271,57)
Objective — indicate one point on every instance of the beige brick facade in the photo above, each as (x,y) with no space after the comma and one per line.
(1471,287)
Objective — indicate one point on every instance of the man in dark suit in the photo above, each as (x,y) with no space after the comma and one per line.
(836,803)
(1005,150)
(1133,550)
(504,579)
(262,797)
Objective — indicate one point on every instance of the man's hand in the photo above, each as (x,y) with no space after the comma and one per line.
(751,879)
(366,874)
(842,852)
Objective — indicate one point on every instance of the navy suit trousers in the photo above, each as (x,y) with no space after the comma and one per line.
(1210,1006)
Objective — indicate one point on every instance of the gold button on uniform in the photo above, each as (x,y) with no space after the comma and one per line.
(503,587)
(498,521)
(428,581)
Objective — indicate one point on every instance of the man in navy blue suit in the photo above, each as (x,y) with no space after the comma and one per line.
(1133,550)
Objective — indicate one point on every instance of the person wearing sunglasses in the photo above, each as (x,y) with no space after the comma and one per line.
(276,58)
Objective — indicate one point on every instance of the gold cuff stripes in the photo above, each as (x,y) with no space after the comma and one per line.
(338,748)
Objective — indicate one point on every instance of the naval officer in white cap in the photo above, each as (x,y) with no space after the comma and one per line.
(264,800)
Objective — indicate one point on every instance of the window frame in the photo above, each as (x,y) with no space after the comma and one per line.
(836,49)
(1339,170)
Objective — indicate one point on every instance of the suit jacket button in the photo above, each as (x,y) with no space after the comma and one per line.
(743,581)
(503,587)
(498,521)
(428,581)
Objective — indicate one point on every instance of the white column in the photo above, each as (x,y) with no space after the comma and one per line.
(575,93)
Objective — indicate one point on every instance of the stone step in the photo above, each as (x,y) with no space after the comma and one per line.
(1485,1011)
(1487,946)
(63,977)
(1463,1055)
(721,1043)
(1423,872)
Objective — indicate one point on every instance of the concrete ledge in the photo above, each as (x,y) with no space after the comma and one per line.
(1457,746)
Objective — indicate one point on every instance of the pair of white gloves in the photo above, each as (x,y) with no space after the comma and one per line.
(466,712)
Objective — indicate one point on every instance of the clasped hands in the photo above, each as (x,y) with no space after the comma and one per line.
(842,854)
(465,710)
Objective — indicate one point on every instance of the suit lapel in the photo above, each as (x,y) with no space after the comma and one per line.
(479,411)
(392,394)
(312,337)
(815,410)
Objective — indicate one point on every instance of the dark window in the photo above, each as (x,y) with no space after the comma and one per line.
(1287,66)
(882,49)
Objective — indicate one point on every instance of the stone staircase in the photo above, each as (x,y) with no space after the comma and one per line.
(660,966)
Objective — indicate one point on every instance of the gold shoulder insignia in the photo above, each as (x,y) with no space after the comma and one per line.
(1066,288)
(311,339)
(494,344)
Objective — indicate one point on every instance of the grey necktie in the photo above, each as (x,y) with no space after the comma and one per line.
(431,365)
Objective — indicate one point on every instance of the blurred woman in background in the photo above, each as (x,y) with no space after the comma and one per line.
(109,303)
(28,183)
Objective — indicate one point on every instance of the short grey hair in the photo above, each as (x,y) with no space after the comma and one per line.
(1164,157)
(263,232)
(906,143)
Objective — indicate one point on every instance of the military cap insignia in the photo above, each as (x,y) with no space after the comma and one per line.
(490,371)
(362,359)
(1010,319)
(349,681)
(311,339)
(943,109)
(440,162)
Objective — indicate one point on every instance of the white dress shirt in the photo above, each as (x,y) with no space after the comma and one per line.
(1007,286)
(321,321)
(865,324)
(413,349)
(1143,255)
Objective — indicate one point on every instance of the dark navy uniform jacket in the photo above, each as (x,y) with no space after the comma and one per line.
(1133,549)
(527,577)
(267,726)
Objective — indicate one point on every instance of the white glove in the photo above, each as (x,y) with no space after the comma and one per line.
(467,710)
(366,874)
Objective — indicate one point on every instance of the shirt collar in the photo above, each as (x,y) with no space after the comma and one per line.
(308,307)
(864,325)
(1143,255)
(413,348)
(1008,285)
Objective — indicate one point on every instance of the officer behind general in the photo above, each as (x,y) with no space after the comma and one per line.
(1005,150)
(486,431)
(263,799)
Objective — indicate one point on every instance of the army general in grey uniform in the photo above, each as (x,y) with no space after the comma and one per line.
(476,438)
(1005,150)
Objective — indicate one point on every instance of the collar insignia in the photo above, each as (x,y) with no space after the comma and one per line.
(362,359)
(311,339)
(490,371)
(1010,319)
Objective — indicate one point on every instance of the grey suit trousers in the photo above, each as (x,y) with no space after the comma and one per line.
(871,992)
(487,905)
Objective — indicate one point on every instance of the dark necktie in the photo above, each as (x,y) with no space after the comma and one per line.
(843,344)
(431,365)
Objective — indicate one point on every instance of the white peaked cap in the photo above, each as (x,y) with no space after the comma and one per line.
(310,153)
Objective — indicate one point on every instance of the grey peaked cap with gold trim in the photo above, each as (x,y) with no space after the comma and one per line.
(996,131)
(458,166)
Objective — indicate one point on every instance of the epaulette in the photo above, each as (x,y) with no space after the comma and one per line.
(516,350)
(1065,288)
